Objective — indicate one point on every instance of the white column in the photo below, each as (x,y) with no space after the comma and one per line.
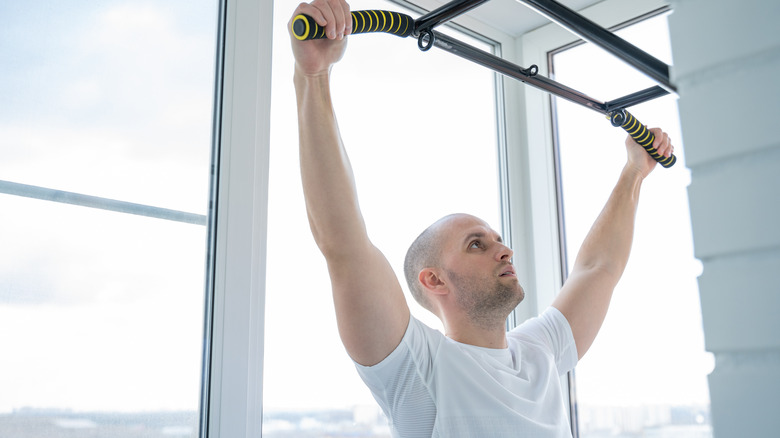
(727,64)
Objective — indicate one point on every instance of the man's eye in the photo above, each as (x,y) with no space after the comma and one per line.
(476,244)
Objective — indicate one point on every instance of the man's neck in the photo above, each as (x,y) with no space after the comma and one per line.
(487,337)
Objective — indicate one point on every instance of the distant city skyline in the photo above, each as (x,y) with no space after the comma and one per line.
(360,421)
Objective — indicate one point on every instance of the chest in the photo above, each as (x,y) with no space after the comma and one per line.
(479,383)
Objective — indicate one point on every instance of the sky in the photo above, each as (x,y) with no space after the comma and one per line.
(100,310)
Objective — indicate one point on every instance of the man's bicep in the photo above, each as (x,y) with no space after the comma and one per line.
(584,300)
(371,309)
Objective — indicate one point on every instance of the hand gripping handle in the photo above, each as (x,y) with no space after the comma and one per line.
(305,28)
(640,134)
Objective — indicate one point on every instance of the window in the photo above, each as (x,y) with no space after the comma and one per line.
(107,108)
(645,375)
(101,312)
(404,115)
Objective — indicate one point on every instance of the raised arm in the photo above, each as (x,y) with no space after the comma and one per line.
(371,309)
(585,296)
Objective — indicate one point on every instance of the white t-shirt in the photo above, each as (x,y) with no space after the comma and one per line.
(432,386)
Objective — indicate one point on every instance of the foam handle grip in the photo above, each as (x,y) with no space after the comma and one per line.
(305,28)
(641,135)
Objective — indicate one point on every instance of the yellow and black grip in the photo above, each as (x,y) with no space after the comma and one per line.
(640,134)
(305,28)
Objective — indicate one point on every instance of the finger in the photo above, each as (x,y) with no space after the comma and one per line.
(340,11)
(330,19)
(666,146)
(669,148)
(662,143)
(334,17)
(348,28)
(312,11)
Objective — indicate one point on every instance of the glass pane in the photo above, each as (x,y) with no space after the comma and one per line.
(109,98)
(645,375)
(427,112)
(101,313)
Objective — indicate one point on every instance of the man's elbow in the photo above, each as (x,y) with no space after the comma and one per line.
(606,270)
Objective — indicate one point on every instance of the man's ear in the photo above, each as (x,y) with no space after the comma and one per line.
(431,280)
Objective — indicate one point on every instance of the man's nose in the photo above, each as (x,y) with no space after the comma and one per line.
(505,253)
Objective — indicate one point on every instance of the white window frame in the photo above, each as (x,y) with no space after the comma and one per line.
(234,342)
(532,161)
(233,374)
(233,371)
(509,185)
(525,125)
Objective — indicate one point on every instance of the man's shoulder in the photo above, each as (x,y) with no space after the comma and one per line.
(419,341)
(550,319)
(422,336)
(550,332)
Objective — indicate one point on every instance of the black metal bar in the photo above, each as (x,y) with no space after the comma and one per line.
(592,32)
(445,13)
(569,19)
(507,68)
(636,98)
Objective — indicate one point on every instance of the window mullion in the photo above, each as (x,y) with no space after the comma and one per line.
(240,219)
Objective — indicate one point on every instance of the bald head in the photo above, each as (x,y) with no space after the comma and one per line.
(425,252)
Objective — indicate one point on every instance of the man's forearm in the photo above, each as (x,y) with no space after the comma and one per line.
(608,243)
(585,297)
(328,183)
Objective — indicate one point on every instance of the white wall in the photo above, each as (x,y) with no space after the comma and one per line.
(727,65)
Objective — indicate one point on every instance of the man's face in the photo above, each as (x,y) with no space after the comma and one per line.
(479,269)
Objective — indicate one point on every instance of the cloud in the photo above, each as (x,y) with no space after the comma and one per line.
(110,100)
(68,255)
(23,284)
(131,68)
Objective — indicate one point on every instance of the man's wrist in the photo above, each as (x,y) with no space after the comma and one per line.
(633,172)
(299,73)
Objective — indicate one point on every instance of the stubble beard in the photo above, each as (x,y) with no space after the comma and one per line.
(486,303)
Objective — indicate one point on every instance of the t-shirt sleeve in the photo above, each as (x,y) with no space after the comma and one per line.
(400,382)
(552,331)
(414,349)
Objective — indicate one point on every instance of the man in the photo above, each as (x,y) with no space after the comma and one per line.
(476,380)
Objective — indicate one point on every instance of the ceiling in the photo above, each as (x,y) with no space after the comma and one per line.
(511,17)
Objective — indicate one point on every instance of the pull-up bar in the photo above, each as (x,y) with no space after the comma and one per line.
(593,33)
(304,28)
